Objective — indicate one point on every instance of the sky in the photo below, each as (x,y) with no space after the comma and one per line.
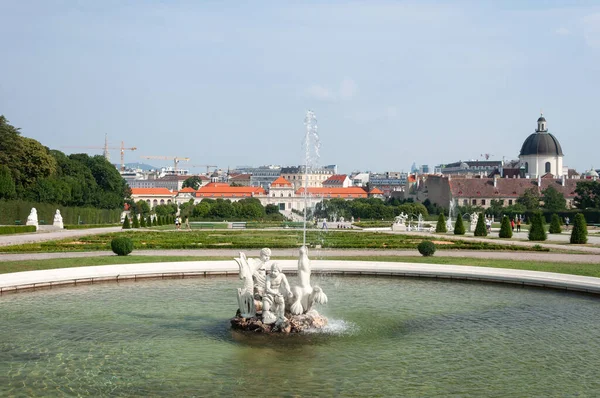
(228,83)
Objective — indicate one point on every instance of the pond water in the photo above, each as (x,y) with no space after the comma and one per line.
(399,337)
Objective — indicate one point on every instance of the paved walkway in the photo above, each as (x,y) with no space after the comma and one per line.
(73,276)
(43,236)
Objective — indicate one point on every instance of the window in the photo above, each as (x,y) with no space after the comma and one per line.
(510,202)
(547,167)
(474,202)
(526,167)
(465,202)
(483,202)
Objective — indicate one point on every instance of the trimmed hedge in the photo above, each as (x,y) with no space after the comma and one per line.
(121,246)
(426,248)
(579,232)
(17,229)
(126,223)
(440,227)
(459,226)
(480,228)
(88,226)
(505,228)
(12,210)
(537,231)
(555,227)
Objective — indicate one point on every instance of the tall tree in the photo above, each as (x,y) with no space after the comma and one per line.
(530,199)
(193,182)
(7,184)
(588,195)
(553,199)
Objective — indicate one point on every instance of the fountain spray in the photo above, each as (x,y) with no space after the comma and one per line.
(311,145)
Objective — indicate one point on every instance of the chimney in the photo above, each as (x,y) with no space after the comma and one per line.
(562,180)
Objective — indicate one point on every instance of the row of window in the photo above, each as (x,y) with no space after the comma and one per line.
(482,202)
(547,167)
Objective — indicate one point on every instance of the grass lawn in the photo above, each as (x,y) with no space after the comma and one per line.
(563,268)
(247,239)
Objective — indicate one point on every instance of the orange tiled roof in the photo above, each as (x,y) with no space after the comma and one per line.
(350,192)
(151,191)
(376,191)
(187,190)
(336,178)
(222,190)
(281,182)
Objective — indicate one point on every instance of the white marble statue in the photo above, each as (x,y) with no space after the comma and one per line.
(253,275)
(305,296)
(473,225)
(400,222)
(58,220)
(32,219)
(449,225)
(276,291)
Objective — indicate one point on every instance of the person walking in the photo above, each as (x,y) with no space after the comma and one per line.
(567,222)
(512,224)
(187,224)
(518,225)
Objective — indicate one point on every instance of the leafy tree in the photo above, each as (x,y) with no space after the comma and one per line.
(496,208)
(555,227)
(142,207)
(579,232)
(537,231)
(588,195)
(271,209)
(126,223)
(440,227)
(7,184)
(163,210)
(480,228)
(530,199)
(505,228)
(223,209)
(193,182)
(202,209)
(553,199)
(459,226)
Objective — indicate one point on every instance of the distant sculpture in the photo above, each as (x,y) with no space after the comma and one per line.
(400,222)
(473,225)
(32,219)
(253,275)
(273,308)
(58,220)
(449,225)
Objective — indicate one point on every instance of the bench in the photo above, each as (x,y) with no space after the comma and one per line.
(17,222)
(238,225)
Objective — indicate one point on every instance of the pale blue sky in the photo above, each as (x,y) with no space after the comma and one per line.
(225,83)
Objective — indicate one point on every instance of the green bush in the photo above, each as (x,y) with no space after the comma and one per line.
(426,248)
(480,229)
(440,227)
(136,221)
(126,223)
(17,229)
(121,246)
(11,210)
(537,230)
(555,227)
(579,232)
(505,228)
(142,221)
(155,221)
(459,226)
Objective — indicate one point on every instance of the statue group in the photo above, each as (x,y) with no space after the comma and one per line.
(266,301)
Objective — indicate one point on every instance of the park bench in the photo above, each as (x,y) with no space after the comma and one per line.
(238,225)
(17,222)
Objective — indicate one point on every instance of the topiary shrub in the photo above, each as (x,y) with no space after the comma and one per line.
(136,221)
(537,230)
(142,222)
(505,228)
(555,227)
(155,221)
(126,223)
(160,220)
(426,248)
(459,226)
(440,227)
(579,232)
(121,245)
(480,229)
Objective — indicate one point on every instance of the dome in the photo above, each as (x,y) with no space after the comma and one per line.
(591,173)
(542,119)
(541,144)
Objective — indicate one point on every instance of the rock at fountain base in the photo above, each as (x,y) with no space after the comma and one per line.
(293,324)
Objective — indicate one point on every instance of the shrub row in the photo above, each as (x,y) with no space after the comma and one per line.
(17,229)
(12,210)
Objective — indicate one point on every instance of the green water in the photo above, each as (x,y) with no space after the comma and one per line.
(402,337)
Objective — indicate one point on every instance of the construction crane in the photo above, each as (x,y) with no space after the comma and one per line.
(175,159)
(208,166)
(106,148)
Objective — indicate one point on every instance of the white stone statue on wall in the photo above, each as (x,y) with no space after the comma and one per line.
(32,219)
(58,220)
(473,225)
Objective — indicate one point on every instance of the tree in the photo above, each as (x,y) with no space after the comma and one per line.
(496,208)
(271,209)
(588,195)
(505,228)
(142,222)
(193,182)
(7,184)
(553,199)
(555,227)
(530,199)
(440,227)
(537,232)
(126,223)
(480,228)
(142,207)
(579,232)
(459,226)
(136,221)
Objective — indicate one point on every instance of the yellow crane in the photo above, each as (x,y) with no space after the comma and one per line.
(208,166)
(176,160)
(106,148)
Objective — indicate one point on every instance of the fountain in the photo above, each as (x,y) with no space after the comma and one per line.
(266,302)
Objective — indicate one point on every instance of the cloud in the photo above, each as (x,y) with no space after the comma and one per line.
(563,31)
(591,30)
(347,90)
